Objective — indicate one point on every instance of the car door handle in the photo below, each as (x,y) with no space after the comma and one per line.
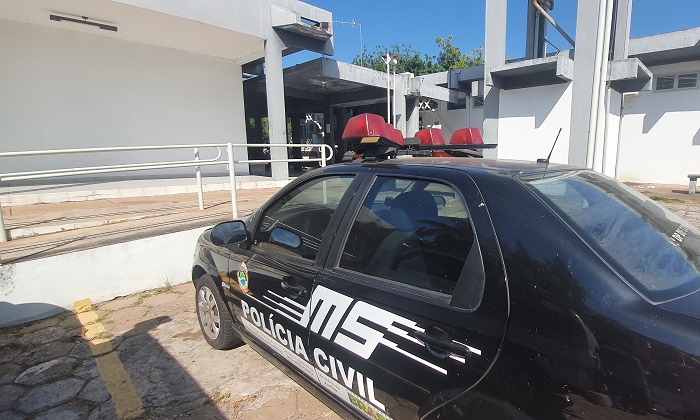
(293,290)
(441,347)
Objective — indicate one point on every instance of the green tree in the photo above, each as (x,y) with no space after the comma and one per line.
(411,60)
(449,57)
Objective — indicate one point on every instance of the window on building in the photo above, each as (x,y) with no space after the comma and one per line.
(689,80)
(680,81)
(665,82)
(478,102)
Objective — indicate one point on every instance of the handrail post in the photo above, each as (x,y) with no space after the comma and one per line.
(323,155)
(232,180)
(198,174)
(3,232)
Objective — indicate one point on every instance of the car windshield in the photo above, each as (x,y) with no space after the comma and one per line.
(657,252)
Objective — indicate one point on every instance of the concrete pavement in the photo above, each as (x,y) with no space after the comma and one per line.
(43,230)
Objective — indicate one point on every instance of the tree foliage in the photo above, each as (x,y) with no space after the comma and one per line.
(411,60)
(449,57)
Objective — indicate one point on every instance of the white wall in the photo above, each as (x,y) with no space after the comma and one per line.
(529,121)
(65,89)
(454,119)
(660,134)
(40,288)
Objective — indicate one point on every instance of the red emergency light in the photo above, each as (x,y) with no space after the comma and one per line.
(397,136)
(370,138)
(469,135)
(365,125)
(430,137)
(369,135)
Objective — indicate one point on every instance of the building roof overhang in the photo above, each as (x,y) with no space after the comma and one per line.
(668,48)
(549,70)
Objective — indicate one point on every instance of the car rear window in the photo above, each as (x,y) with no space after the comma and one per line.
(657,252)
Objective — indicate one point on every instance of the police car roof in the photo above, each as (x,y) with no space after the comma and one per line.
(475,164)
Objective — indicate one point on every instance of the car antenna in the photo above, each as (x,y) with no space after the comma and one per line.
(540,160)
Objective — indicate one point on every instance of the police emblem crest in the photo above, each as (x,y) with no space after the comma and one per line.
(243,277)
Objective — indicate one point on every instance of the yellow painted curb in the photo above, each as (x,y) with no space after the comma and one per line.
(126,400)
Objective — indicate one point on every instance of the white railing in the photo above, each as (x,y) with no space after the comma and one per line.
(326,153)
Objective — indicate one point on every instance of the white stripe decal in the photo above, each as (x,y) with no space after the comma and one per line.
(286,299)
(296,321)
(394,347)
(283,306)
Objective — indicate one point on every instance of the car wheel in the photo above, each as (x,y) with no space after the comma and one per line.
(214,318)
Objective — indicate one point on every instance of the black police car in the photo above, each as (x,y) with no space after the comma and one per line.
(463,288)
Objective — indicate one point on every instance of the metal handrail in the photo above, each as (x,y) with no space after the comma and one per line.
(197,163)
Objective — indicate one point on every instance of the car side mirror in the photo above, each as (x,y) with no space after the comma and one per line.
(285,237)
(229,233)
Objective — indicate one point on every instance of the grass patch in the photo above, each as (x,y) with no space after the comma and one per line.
(106,335)
(166,288)
(218,397)
(666,200)
(143,296)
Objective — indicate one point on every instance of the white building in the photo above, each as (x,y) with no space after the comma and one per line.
(653,133)
(172,73)
(102,73)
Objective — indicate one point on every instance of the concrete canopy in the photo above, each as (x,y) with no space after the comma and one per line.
(311,86)
(668,48)
(161,25)
(549,70)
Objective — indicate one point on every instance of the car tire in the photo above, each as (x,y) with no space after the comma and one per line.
(214,317)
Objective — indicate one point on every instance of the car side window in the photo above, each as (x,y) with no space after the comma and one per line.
(411,231)
(295,224)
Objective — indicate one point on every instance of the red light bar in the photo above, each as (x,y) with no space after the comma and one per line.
(397,136)
(469,135)
(369,135)
(365,125)
(431,137)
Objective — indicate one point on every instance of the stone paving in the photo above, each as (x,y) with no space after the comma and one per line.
(48,371)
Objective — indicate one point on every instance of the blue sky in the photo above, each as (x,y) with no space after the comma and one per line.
(387,22)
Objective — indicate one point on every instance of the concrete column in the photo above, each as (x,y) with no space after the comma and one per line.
(494,56)
(413,115)
(535,46)
(276,114)
(582,89)
(401,81)
(329,127)
(612,132)
(623,19)
(239,133)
